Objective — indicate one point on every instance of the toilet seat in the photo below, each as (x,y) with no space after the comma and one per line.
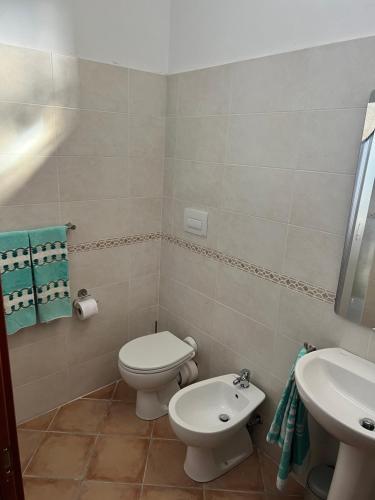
(155,353)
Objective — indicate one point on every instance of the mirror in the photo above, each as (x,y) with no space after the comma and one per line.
(355,298)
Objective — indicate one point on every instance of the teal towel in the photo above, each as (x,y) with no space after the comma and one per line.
(51,273)
(17,281)
(289,430)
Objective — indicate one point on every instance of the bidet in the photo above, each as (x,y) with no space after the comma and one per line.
(210,417)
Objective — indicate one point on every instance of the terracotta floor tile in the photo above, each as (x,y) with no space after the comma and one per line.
(283,497)
(119,458)
(28,441)
(245,477)
(124,393)
(61,456)
(163,429)
(102,393)
(232,495)
(121,419)
(160,493)
(50,489)
(165,464)
(94,490)
(39,423)
(269,471)
(82,415)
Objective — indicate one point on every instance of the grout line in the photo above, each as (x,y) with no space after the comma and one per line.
(146,464)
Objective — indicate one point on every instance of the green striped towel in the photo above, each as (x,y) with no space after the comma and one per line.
(17,281)
(289,430)
(49,254)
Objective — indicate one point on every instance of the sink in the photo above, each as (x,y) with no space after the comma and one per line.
(338,389)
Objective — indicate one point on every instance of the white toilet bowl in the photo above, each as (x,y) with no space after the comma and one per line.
(197,414)
(151,365)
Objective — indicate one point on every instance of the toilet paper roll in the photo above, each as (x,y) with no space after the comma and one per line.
(86,307)
(188,373)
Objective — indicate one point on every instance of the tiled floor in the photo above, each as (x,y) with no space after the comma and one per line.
(95,448)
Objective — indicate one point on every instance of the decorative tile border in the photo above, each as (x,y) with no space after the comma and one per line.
(313,291)
(122,241)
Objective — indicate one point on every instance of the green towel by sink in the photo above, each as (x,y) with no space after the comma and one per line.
(289,430)
(17,281)
(51,272)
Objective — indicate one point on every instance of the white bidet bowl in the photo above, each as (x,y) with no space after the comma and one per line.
(210,417)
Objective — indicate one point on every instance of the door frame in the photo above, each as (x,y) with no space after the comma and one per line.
(11,487)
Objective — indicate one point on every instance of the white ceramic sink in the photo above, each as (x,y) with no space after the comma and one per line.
(338,389)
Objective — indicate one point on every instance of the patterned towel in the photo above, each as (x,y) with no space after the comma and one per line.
(51,273)
(289,430)
(17,281)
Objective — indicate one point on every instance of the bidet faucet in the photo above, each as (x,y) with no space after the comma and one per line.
(243,379)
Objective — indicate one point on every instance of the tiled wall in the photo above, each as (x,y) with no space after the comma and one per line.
(269,148)
(83,142)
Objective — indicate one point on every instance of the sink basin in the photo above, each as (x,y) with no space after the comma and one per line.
(338,389)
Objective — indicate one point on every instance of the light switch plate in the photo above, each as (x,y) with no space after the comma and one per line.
(195,221)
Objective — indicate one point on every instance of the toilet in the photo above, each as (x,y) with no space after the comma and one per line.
(155,365)
(210,417)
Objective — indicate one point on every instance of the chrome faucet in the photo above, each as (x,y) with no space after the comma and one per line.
(243,379)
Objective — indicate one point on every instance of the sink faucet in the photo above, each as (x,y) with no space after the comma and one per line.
(243,379)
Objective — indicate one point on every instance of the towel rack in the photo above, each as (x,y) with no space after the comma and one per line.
(70,226)
(309,347)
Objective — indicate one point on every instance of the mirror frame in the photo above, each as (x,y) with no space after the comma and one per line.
(364,183)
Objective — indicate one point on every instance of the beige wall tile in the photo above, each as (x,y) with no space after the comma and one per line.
(168,177)
(95,133)
(273,83)
(264,140)
(97,372)
(264,192)
(25,75)
(39,396)
(144,291)
(167,215)
(204,92)
(145,177)
(183,301)
(191,269)
(34,180)
(303,259)
(330,140)
(20,217)
(341,74)
(248,294)
(90,85)
(97,219)
(144,215)
(201,138)
(92,177)
(142,322)
(145,258)
(26,130)
(172,94)
(103,333)
(322,201)
(259,241)
(170,136)
(148,93)
(243,335)
(37,360)
(100,267)
(197,182)
(146,136)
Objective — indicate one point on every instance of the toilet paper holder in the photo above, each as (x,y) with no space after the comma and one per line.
(81,294)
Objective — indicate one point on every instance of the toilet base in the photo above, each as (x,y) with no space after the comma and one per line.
(206,464)
(154,404)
